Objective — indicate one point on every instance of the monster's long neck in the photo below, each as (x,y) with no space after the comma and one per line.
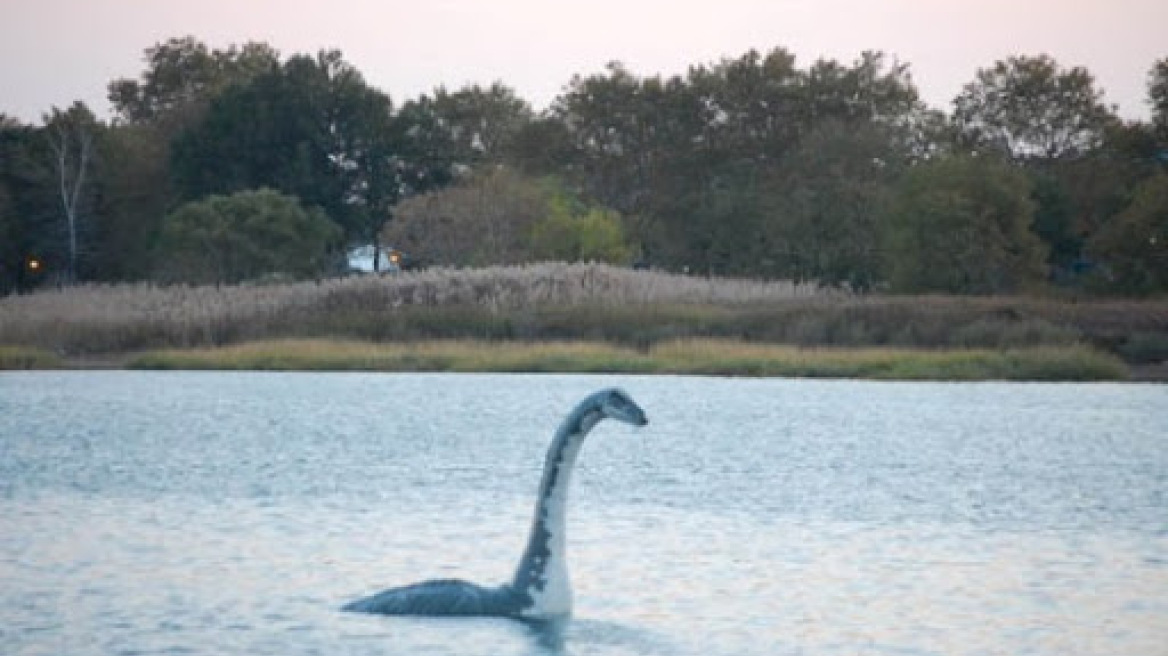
(543,571)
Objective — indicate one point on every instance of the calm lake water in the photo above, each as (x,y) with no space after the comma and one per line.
(233,513)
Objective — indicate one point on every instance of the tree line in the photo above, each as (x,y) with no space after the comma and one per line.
(225,165)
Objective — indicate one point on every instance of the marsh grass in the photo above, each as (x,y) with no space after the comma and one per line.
(687,356)
(1032,363)
(567,303)
(430,355)
(28,357)
(494,302)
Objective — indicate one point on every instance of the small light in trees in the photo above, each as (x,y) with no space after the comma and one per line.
(34,265)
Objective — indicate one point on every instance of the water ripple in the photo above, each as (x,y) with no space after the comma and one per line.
(170,513)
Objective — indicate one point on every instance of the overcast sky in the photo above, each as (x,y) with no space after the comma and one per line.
(53,52)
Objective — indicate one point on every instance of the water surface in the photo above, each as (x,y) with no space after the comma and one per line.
(233,513)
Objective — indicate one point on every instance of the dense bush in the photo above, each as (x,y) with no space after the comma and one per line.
(245,236)
(962,225)
(501,217)
(1134,244)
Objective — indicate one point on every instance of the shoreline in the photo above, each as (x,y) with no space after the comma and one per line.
(584,318)
(714,357)
(614,319)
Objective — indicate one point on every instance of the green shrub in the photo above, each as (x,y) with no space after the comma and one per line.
(1133,245)
(246,236)
(961,225)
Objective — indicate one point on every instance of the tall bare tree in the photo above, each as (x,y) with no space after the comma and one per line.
(71,134)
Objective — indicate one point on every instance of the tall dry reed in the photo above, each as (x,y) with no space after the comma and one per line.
(104,318)
(556,302)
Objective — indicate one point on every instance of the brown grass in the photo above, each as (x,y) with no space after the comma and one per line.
(104,318)
(558,302)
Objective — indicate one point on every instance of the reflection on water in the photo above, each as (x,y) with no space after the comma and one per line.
(234,514)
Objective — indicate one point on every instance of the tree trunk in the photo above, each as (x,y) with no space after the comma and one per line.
(71,183)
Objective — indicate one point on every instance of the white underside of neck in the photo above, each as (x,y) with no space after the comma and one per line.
(555,598)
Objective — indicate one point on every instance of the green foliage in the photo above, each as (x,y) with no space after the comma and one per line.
(701,161)
(1145,348)
(11,256)
(1054,219)
(71,134)
(540,146)
(1158,98)
(874,88)
(311,128)
(229,239)
(29,225)
(618,131)
(717,231)
(962,225)
(828,204)
(1029,107)
(594,236)
(501,217)
(1133,246)
(754,165)
(484,219)
(1077,197)
(136,195)
(182,76)
(702,357)
(476,124)
(27,357)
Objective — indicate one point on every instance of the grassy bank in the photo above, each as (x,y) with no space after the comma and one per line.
(28,357)
(689,356)
(637,311)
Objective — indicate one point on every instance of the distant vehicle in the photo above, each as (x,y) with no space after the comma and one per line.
(360,259)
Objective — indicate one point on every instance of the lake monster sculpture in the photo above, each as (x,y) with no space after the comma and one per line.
(540,588)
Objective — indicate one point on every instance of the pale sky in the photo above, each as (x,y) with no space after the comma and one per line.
(53,52)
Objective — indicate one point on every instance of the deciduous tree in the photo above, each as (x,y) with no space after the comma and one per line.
(828,200)
(1030,107)
(30,216)
(962,225)
(312,129)
(594,235)
(480,124)
(135,195)
(71,135)
(1132,248)
(182,76)
(874,88)
(624,134)
(481,220)
(1158,98)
